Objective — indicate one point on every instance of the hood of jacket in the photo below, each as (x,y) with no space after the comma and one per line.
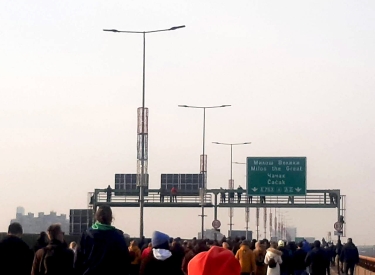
(274,251)
(161,254)
(244,248)
(102,227)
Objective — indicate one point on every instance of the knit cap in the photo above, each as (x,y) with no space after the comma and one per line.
(216,261)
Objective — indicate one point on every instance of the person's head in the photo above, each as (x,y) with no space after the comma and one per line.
(225,245)
(149,244)
(350,240)
(217,260)
(281,243)
(317,244)
(160,240)
(274,245)
(104,215)
(54,232)
(245,243)
(133,243)
(15,229)
(300,244)
(73,245)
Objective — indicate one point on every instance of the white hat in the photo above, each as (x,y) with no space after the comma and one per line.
(281,243)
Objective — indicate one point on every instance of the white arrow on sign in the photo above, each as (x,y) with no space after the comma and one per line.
(255,189)
(298,189)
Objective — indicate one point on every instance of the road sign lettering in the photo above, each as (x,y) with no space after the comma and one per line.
(276,176)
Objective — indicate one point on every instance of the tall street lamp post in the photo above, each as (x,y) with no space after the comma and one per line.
(247,209)
(231,183)
(203,158)
(143,132)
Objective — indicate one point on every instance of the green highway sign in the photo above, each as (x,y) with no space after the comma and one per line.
(276,176)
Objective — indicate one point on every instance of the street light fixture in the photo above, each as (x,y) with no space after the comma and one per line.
(203,160)
(143,143)
(231,185)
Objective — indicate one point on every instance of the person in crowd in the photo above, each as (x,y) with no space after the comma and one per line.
(317,260)
(199,247)
(235,245)
(109,193)
(338,262)
(103,248)
(142,244)
(146,251)
(306,246)
(226,245)
(239,193)
(41,241)
(253,244)
(246,258)
(259,255)
(285,266)
(216,261)
(222,195)
(349,256)
(135,257)
(178,254)
(73,246)
(273,259)
(160,260)
(15,255)
(174,194)
(298,260)
(327,250)
(55,258)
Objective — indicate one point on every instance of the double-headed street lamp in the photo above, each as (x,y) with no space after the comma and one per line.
(231,184)
(203,158)
(142,131)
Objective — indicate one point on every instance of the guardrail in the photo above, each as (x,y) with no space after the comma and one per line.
(366,263)
(155,198)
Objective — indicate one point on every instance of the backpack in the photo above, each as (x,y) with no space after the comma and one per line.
(259,261)
(272,263)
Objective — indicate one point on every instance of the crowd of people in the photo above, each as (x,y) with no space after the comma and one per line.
(103,250)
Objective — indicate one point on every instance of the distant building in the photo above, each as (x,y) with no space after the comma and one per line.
(210,234)
(291,234)
(35,225)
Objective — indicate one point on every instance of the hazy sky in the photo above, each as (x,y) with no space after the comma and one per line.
(299,76)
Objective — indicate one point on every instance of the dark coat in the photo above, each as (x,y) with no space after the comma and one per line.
(54,259)
(15,256)
(349,254)
(152,266)
(299,258)
(103,252)
(318,261)
(286,266)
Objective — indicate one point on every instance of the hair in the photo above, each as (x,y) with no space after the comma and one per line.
(54,230)
(317,244)
(15,229)
(300,244)
(274,245)
(104,214)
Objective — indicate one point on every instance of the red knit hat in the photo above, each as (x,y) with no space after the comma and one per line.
(216,261)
